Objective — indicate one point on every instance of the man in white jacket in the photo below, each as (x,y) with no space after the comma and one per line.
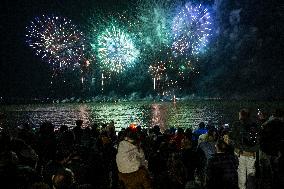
(131,163)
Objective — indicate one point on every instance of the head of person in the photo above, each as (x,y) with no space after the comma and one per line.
(46,128)
(201,125)
(180,131)
(79,122)
(63,128)
(156,129)
(211,135)
(131,134)
(244,114)
(262,116)
(111,123)
(139,128)
(63,179)
(221,146)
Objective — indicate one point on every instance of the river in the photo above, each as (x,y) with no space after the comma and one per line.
(185,114)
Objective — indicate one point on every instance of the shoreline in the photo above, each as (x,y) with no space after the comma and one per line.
(107,99)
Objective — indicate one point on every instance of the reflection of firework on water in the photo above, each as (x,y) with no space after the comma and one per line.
(191,29)
(159,116)
(154,20)
(56,40)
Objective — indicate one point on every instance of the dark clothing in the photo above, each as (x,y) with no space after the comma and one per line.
(272,137)
(79,169)
(222,171)
(190,160)
(205,151)
(176,171)
(78,131)
(244,135)
(51,168)
(271,143)
(136,180)
(198,132)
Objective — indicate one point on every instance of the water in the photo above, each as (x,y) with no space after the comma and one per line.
(165,114)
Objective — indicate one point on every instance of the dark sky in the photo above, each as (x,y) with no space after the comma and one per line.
(21,71)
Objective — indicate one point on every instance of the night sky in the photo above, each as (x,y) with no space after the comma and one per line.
(247,66)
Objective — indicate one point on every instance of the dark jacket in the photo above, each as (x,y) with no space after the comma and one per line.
(272,137)
(245,136)
(222,171)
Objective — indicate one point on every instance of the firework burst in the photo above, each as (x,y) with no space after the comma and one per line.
(56,40)
(154,20)
(157,70)
(191,30)
(114,45)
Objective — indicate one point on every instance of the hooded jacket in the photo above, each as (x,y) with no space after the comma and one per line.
(128,157)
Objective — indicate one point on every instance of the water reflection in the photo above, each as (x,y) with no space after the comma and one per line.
(146,114)
(159,115)
(123,114)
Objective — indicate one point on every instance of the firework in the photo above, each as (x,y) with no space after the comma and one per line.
(191,30)
(161,73)
(170,88)
(116,49)
(56,40)
(185,69)
(155,23)
(157,70)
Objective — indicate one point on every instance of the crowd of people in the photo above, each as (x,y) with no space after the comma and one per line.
(247,154)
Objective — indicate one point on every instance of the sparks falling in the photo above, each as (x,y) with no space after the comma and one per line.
(57,41)
(191,30)
(116,50)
